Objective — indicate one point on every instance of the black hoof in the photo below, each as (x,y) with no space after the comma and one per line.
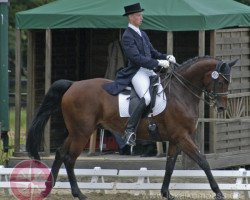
(167,195)
(47,190)
(82,197)
(44,194)
(79,195)
(219,196)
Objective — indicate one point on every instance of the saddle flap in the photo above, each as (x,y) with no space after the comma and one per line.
(153,90)
(160,103)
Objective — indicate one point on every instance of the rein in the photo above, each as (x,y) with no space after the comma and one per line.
(192,88)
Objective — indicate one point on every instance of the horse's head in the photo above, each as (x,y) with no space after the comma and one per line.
(216,83)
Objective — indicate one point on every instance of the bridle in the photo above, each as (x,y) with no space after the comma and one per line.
(215,80)
(211,95)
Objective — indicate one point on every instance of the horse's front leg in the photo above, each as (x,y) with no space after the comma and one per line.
(188,146)
(171,160)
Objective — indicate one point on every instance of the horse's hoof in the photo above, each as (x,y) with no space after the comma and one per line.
(219,196)
(45,192)
(171,197)
(79,195)
(82,197)
(167,195)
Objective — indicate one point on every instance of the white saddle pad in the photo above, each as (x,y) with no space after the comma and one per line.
(160,103)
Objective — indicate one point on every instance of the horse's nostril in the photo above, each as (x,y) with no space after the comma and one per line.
(220,109)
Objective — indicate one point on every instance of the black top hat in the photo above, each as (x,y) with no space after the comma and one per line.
(134,8)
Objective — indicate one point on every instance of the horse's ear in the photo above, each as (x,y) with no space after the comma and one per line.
(232,63)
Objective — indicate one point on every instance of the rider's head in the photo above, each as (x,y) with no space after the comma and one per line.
(134,13)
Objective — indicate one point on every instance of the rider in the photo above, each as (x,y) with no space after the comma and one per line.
(142,59)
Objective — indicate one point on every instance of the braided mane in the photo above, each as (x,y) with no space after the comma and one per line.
(190,62)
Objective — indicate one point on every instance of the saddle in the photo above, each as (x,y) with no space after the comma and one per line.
(134,98)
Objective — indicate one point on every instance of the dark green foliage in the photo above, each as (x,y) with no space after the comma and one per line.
(247,2)
(16,6)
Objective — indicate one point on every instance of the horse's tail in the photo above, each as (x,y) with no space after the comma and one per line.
(51,103)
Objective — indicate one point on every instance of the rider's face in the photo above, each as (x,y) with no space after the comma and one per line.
(136,18)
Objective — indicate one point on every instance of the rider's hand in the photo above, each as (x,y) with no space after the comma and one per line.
(171,58)
(163,63)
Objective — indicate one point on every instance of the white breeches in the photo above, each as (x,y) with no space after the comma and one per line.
(141,83)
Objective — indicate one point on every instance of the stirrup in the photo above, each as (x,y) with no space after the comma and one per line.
(130,138)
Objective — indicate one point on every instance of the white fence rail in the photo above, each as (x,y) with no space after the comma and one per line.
(143,182)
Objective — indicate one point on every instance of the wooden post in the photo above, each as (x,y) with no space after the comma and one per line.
(186,161)
(201,43)
(170,42)
(200,129)
(88,58)
(30,78)
(17,92)
(213,43)
(170,51)
(89,72)
(92,143)
(48,57)
(78,57)
(212,125)
(160,152)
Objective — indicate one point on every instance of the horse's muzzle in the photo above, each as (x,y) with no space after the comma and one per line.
(220,109)
(221,104)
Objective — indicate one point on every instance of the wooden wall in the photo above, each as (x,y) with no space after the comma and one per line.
(232,138)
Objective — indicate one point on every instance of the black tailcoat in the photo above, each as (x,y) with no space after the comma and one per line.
(140,53)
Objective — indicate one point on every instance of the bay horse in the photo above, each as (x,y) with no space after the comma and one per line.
(85,106)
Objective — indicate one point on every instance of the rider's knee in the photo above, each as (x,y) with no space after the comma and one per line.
(147,100)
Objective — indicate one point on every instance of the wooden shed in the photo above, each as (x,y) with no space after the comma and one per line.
(69,40)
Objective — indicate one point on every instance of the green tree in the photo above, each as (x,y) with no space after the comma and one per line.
(247,2)
(16,6)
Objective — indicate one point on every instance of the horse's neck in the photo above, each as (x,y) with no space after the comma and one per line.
(189,90)
(185,97)
(195,75)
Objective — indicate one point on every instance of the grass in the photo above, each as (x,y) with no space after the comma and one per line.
(4,157)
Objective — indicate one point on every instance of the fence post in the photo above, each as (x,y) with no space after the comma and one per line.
(141,180)
(240,180)
(4,65)
(4,178)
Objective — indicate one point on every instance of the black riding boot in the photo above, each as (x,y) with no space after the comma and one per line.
(133,121)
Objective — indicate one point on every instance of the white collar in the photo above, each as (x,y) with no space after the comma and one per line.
(136,29)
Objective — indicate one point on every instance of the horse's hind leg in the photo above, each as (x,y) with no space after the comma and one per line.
(73,147)
(189,147)
(171,160)
(56,165)
(51,180)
